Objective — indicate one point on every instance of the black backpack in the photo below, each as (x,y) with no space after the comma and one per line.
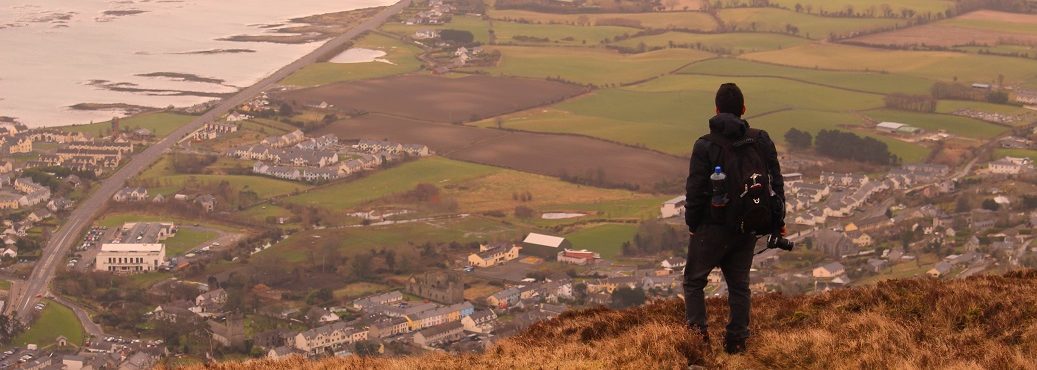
(751,205)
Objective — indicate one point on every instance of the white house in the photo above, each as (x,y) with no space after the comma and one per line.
(674,207)
(829,270)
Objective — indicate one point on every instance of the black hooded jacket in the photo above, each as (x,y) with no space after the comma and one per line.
(698,187)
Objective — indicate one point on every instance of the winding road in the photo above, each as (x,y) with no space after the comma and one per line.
(62,239)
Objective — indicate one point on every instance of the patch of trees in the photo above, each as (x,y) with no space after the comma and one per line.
(799,139)
(954,90)
(524,212)
(990,205)
(1017,6)
(914,103)
(619,22)
(10,327)
(458,37)
(470,6)
(1029,202)
(124,303)
(596,178)
(624,297)
(847,145)
(45,177)
(192,163)
(654,237)
(524,38)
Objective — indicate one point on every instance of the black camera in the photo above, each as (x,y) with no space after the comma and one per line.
(778,242)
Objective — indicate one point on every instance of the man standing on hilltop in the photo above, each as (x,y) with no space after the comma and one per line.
(735,193)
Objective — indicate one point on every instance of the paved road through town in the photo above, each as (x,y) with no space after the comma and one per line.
(63,238)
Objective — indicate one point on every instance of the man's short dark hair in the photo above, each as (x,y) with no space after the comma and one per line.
(729,99)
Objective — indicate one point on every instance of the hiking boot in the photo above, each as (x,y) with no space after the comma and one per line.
(734,346)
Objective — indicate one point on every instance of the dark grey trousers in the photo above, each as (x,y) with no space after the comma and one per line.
(710,247)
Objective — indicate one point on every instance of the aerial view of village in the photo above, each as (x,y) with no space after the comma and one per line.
(438,175)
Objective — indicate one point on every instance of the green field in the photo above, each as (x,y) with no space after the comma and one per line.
(187,239)
(693,21)
(1024,153)
(666,114)
(992,25)
(261,212)
(955,125)
(118,219)
(590,65)
(476,25)
(160,123)
(810,26)
(265,187)
(55,320)
(344,196)
(606,239)
(934,65)
(403,58)
(880,83)
(952,106)
(733,43)
(350,241)
(778,123)
(861,6)
(506,33)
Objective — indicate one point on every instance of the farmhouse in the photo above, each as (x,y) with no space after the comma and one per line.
(1010,166)
(829,270)
(578,257)
(544,246)
(131,194)
(489,256)
(674,207)
(897,128)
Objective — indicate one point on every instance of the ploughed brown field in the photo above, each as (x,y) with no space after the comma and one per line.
(548,154)
(438,99)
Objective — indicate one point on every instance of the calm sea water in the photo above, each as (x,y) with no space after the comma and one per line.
(57,53)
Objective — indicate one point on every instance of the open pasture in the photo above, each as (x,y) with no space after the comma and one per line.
(595,66)
(692,21)
(560,34)
(401,58)
(438,99)
(344,196)
(860,7)
(160,124)
(954,125)
(666,114)
(926,64)
(874,82)
(552,155)
(497,192)
(733,43)
(605,239)
(810,26)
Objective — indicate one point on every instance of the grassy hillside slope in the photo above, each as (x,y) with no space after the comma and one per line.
(981,322)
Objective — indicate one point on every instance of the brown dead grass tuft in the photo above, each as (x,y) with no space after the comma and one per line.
(978,323)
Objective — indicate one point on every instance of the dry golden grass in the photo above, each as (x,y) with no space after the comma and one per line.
(982,322)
